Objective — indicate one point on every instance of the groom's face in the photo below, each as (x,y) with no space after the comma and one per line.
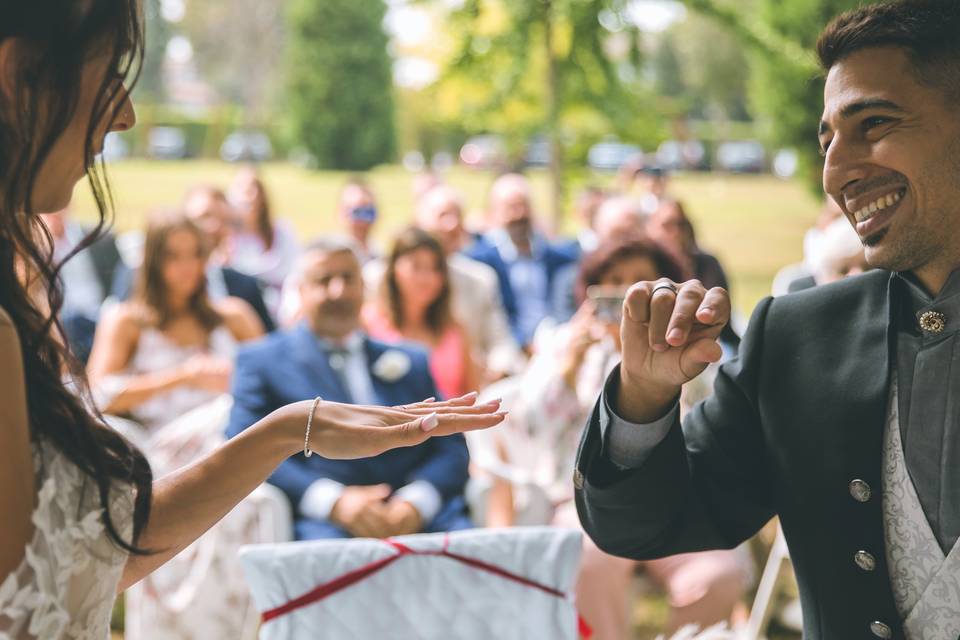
(332,293)
(892,147)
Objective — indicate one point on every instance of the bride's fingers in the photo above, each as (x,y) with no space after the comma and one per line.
(487,407)
(465,400)
(416,431)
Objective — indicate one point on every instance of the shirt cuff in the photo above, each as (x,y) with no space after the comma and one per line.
(424,497)
(319,498)
(629,444)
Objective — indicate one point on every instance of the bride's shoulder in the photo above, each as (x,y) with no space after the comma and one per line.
(9,338)
(5,320)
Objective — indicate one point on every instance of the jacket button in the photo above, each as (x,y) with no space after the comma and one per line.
(881,630)
(860,491)
(865,561)
(577,479)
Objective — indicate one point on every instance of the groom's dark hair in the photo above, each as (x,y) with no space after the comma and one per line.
(928,30)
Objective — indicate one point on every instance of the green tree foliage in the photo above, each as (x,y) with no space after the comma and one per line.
(238,46)
(150,83)
(786,86)
(339,93)
(568,69)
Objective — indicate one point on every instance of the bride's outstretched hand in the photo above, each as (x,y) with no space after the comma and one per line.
(357,431)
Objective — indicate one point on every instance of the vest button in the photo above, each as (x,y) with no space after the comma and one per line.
(577,479)
(881,630)
(860,490)
(865,561)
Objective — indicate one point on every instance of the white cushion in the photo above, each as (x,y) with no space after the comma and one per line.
(422,596)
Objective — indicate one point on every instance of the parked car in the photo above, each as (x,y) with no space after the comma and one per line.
(246,146)
(114,147)
(167,143)
(741,156)
(538,152)
(610,154)
(785,163)
(680,155)
(482,152)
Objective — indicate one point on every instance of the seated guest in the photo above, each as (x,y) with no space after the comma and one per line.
(670,226)
(839,254)
(358,213)
(164,359)
(260,246)
(475,298)
(532,262)
(169,349)
(208,208)
(586,205)
(559,390)
(87,278)
(413,304)
(416,489)
(616,217)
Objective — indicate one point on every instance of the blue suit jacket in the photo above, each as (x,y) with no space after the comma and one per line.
(291,366)
(482,251)
(554,259)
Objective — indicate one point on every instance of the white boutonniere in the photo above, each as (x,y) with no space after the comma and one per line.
(392,365)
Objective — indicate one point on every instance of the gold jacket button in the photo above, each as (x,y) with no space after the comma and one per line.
(577,479)
(881,630)
(860,490)
(865,561)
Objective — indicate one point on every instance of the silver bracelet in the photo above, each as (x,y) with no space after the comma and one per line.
(307,451)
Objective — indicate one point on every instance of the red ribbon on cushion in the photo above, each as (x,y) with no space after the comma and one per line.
(357,575)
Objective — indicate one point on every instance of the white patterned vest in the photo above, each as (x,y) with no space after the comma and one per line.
(926,583)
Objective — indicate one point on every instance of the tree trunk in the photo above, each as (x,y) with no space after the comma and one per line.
(553,120)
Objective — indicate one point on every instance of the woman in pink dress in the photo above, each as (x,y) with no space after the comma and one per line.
(414,305)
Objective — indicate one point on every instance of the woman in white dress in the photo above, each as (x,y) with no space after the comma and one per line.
(169,350)
(82,516)
(164,359)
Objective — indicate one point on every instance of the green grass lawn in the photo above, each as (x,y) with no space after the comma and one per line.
(754,224)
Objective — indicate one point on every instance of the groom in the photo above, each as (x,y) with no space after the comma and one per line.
(411,490)
(842,413)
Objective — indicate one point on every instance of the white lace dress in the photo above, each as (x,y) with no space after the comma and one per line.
(67,582)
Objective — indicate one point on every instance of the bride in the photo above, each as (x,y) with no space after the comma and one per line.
(82,515)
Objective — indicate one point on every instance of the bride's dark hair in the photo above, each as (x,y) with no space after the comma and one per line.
(54,39)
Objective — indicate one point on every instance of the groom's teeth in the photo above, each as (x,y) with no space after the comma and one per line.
(879,204)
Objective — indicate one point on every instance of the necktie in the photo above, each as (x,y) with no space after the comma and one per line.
(338,363)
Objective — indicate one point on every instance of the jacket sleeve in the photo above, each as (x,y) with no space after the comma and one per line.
(705,486)
(252,401)
(446,461)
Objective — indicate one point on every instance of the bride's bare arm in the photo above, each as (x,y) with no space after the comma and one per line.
(191,500)
(17,490)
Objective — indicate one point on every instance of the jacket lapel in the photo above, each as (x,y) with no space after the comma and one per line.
(864,390)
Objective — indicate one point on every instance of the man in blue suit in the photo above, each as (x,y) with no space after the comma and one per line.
(410,490)
(532,262)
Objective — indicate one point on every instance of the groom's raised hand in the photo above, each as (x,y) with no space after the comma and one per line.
(669,333)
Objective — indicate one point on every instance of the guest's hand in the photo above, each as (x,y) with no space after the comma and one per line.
(346,431)
(669,337)
(402,517)
(363,512)
(208,372)
(584,331)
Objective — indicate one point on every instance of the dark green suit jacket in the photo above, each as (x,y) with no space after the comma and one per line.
(794,419)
